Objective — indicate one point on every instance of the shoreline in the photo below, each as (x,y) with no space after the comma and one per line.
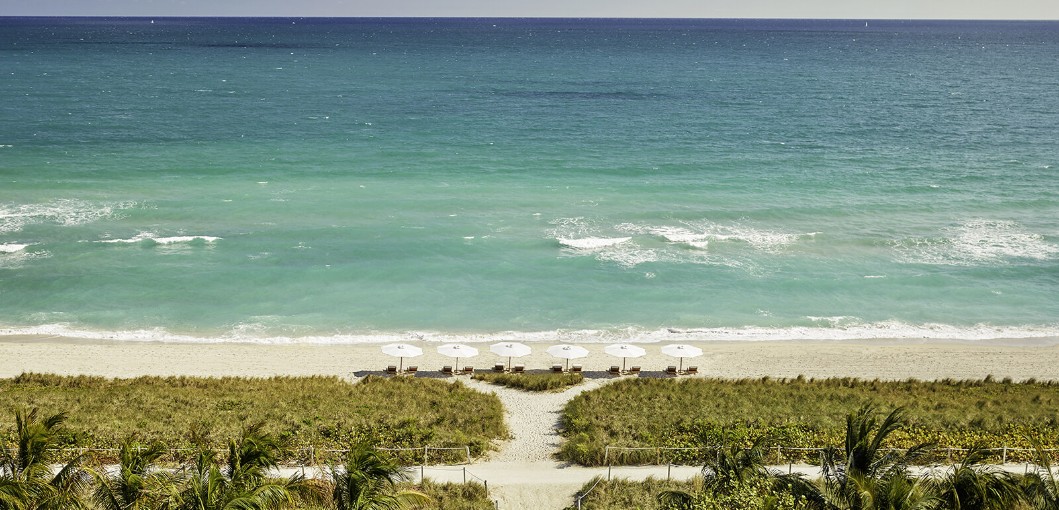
(888,359)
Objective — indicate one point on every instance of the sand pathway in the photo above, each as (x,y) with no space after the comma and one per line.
(533,419)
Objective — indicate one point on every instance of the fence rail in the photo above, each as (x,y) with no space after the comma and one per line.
(582,495)
(310,453)
(659,451)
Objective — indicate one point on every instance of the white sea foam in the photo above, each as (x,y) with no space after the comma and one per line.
(698,234)
(629,258)
(630,245)
(617,250)
(12,248)
(185,239)
(837,321)
(152,238)
(581,237)
(63,212)
(592,243)
(709,243)
(977,242)
(682,235)
(571,228)
(14,255)
(831,328)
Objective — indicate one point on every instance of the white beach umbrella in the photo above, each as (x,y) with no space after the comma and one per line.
(682,351)
(567,352)
(510,350)
(402,351)
(624,351)
(457,351)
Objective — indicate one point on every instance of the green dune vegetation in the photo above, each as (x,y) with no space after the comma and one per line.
(862,474)
(532,381)
(315,417)
(806,414)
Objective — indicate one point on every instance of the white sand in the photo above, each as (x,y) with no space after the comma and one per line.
(523,474)
(884,359)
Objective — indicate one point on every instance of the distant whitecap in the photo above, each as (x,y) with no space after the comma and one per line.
(152,238)
(12,248)
(593,243)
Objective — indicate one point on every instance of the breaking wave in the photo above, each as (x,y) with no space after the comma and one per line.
(61,212)
(12,248)
(977,242)
(688,242)
(825,328)
(592,243)
(152,239)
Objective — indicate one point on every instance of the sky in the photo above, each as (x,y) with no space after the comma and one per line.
(844,9)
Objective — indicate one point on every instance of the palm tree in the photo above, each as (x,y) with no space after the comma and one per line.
(723,473)
(368,481)
(27,480)
(903,492)
(134,487)
(243,483)
(867,477)
(11,494)
(972,485)
(1041,488)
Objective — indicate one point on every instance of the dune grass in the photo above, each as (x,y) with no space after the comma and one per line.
(620,493)
(800,413)
(532,382)
(311,414)
(455,496)
(444,496)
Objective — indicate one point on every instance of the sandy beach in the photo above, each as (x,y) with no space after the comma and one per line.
(522,473)
(869,359)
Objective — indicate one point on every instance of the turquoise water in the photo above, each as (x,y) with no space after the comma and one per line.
(358,180)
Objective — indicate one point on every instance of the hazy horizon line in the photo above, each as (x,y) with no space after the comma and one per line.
(726,18)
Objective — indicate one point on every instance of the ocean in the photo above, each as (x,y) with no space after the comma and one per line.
(363,180)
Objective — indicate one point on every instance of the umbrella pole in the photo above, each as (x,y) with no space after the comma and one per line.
(509,363)
(681,369)
(623,364)
(567,364)
(401,365)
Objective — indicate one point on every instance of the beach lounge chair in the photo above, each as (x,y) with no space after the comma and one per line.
(518,369)
(391,370)
(557,369)
(447,370)
(576,369)
(468,370)
(614,370)
(692,370)
(671,370)
(634,371)
(499,367)
(412,370)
